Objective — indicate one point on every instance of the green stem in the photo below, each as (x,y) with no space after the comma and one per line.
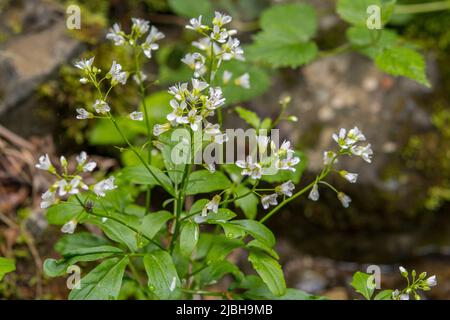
(422,7)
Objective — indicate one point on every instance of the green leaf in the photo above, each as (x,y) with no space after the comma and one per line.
(355,12)
(217,271)
(249,116)
(163,279)
(384,295)
(55,268)
(153,222)
(191,9)
(188,238)
(259,245)
(266,49)
(105,133)
(141,175)
(222,215)
(402,61)
(71,242)
(231,231)
(296,22)
(257,230)
(103,282)
(249,203)
(361,283)
(371,42)
(63,212)
(285,175)
(203,181)
(6,266)
(198,206)
(269,270)
(221,248)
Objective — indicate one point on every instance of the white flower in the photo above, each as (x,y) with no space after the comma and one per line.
(193,119)
(289,163)
(48,199)
(285,149)
(285,188)
(104,185)
(85,65)
(198,86)
(140,77)
(69,188)
(212,205)
(314,193)
(218,34)
(395,294)
(141,26)
(221,19)
(221,138)
(159,129)
(269,200)
(177,115)
(196,24)
(354,135)
(402,270)
(137,116)
(350,177)
(328,157)
(232,50)
(82,165)
(84,80)
(431,281)
(212,129)
(83,114)
(196,62)
(363,152)
(69,227)
(226,77)
(340,139)
(44,163)
(243,81)
(101,107)
(250,169)
(344,199)
(117,75)
(115,34)
(179,91)
(149,45)
(215,99)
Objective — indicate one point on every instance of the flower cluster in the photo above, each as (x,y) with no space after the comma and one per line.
(348,144)
(217,45)
(415,284)
(71,183)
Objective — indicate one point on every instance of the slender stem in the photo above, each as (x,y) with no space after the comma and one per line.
(422,7)
(147,123)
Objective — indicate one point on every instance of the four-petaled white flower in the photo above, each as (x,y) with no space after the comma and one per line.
(212,205)
(48,199)
(196,24)
(365,152)
(193,119)
(101,106)
(285,188)
(226,77)
(177,115)
(104,185)
(221,19)
(83,114)
(115,34)
(289,163)
(354,135)
(85,65)
(329,157)
(243,81)
(344,199)
(137,116)
(350,177)
(340,138)
(218,34)
(159,129)
(83,165)
(198,86)
(269,200)
(179,91)
(141,26)
(69,227)
(150,42)
(232,50)
(45,163)
(431,281)
(251,168)
(117,75)
(215,99)
(314,193)
(69,187)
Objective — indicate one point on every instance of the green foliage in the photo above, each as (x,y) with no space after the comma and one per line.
(203,181)
(355,12)
(364,284)
(269,270)
(163,279)
(190,9)
(6,266)
(285,37)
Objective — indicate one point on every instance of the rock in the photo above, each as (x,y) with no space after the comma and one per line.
(32,56)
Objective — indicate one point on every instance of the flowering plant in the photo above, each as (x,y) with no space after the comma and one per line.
(185,246)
